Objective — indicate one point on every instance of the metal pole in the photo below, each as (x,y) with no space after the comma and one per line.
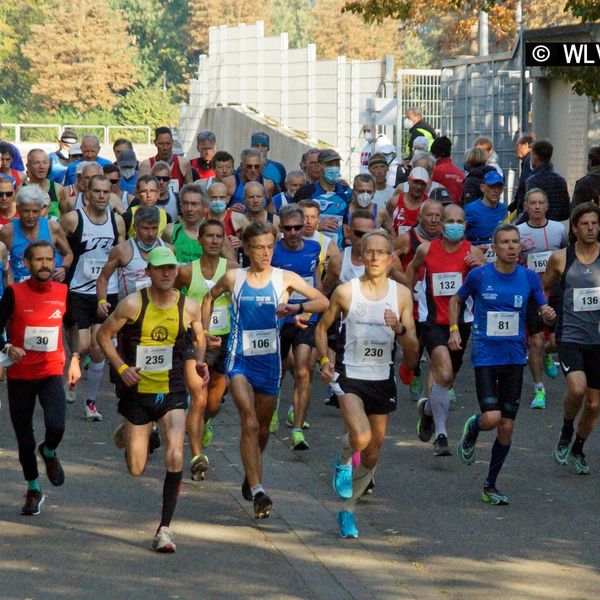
(484,36)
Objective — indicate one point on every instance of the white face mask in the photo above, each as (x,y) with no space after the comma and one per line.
(408,123)
(364,199)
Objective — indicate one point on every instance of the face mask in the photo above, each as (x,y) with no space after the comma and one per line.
(127,173)
(331,174)
(407,123)
(454,231)
(218,206)
(145,247)
(364,199)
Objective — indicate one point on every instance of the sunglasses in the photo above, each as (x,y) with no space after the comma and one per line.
(114,181)
(252,167)
(6,194)
(358,233)
(162,179)
(292,227)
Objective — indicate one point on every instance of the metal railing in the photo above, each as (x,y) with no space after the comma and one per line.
(30,132)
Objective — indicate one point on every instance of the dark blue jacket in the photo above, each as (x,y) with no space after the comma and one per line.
(587,189)
(555,186)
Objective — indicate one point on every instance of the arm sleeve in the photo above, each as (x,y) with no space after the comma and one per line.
(7,305)
(536,288)
(471,284)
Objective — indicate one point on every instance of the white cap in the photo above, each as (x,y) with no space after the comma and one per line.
(75,149)
(420,174)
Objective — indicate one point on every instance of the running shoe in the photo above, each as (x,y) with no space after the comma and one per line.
(154,441)
(207,435)
(493,496)
(451,395)
(246,490)
(33,503)
(440,446)
(90,411)
(262,505)
(342,478)
(298,441)
(70,393)
(289,420)
(578,463)
(198,467)
(347,524)
(54,469)
(119,436)
(332,400)
(466,446)
(274,424)
(416,388)
(561,452)
(425,423)
(539,400)
(549,366)
(163,541)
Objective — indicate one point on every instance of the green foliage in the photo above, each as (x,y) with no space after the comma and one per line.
(586,10)
(291,16)
(585,81)
(150,105)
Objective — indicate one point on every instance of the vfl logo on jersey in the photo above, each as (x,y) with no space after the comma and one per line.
(56,315)
(159,333)
(361,309)
(518,301)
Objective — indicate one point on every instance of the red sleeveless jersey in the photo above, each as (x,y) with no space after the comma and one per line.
(36,326)
(176,172)
(444,274)
(205,170)
(404,218)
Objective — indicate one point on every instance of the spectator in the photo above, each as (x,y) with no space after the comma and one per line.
(445,172)
(417,127)
(523,152)
(486,144)
(587,189)
(476,168)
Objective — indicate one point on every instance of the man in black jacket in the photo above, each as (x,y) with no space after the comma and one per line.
(587,189)
(417,127)
(523,152)
(546,178)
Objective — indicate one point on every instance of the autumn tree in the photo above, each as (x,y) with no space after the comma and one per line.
(80,56)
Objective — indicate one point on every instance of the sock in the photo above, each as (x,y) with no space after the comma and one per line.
(33,485)
(171,488)
(297,429)
(499,454)
(347,452)
(94,377)
(567,429)
(47,452)
(577,447)
(257,488)
(360,480)
(474,427)
(440,405)
(538,386)
(427,408)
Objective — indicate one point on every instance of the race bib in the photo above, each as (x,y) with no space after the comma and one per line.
(403,229)
(174,185)
(41,339)
(446,284)
(373,352)
(92,267)
(490,254)
(259,341)
(538,261)
(297,295)
(154,358)
(586,299)
(218,319)
(502,324)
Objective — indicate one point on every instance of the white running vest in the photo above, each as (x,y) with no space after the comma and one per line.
(132,277)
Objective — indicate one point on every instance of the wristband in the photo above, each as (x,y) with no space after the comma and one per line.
(75,355)
(103,301)
(206,331)
(453,327)
(122,368)
(324,361)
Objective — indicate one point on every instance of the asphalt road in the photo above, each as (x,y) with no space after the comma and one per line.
(424,533)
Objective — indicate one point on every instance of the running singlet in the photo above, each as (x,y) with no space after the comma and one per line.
(333,204)
(20,243)
(404,218)
(91,245)
(538,243)
(366,342)
(579,309)
(205,169)
(348,269)
(161,224)
(200,286)
(154,343)
(324,242)
(500,308)
(186,249)
(35,324)
(274,171)
(444,275)
(171,206)
(132,277)
(238,194)
(177,176)
(304,262)
(253,347)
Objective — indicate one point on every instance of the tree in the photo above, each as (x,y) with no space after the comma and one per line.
(291,16)
(92,68)
(148,105)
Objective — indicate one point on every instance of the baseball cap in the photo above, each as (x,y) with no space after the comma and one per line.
(75,150)
(421,143)
(419,174)
(68,137)
(260,137)
(493,178)
(127,158)
(328,155)
(161,256)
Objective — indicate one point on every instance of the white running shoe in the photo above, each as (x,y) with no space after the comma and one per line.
(91,412)
(163,540)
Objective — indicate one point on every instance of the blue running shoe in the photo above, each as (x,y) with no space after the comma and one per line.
(347,524)
(342,478)
(549,366)
(466,446)
(561,452)
(578,463)
(493,496)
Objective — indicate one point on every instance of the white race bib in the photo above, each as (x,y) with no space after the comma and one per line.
(92,267)
(538,261)
(490,255)
(502,324)
(259,341)
(41,339)
(174,185)
(586,299)
(297,295)
(373,352)
(154,358)
(403,229)
(218,319)
(446,284)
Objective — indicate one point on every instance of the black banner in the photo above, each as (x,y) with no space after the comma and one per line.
(562,54)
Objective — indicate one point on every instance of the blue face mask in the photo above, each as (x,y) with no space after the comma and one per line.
(145,247)
(218,206)
(454,231)
(331,174)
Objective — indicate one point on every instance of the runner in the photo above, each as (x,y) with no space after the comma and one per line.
(500,292)
(577,268)
(146,194)
(198,278)
(38,166)
(445,262)
(167,198)
(34,311)
(259,295)
(374,311)
(250,170)
(154,347)
(363,197)
(233,220)
(92,232)
(8,206)
(539,238)
(404,207)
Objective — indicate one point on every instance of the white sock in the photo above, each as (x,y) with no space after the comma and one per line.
(256,488)
(440,405)
(360,480)
(538,386)
(94,378)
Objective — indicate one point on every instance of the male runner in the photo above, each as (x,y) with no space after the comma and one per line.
(259,300)
(34,311)
(374,311)
(153,346)
(500,293)
(577,269)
